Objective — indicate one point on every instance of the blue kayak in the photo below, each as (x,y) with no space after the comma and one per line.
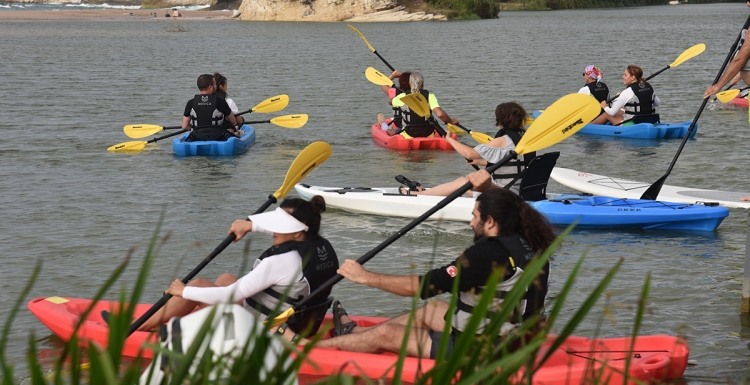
(232,146)
(638,130)
(591,212)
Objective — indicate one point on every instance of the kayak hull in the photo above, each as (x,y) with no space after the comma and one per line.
(398,142)
(624,188)
(641,130)
(652,359)
(561,209)
(740,102)
(231,146)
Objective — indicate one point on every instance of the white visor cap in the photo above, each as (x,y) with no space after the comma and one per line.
(278,221)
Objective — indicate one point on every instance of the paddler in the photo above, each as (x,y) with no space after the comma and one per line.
(740,63)
(299,261)
(595,87)
(638,99)
(508,233)
(416,126)
(205,114)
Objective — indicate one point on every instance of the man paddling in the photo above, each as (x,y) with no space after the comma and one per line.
(508,234)
(206,112)
(740,64)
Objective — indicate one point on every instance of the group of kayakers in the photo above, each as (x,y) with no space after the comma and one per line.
(638,98)
(210,115)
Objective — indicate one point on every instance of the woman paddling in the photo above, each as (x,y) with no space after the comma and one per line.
(595,87)
(390,125)
(221,90)
(299,261)
(510,118)
(638,99)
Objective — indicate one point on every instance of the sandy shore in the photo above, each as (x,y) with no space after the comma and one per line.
(112,14)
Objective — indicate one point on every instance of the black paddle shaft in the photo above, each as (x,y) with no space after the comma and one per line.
(393,238)
(223,245)
(653,191)
(166,136)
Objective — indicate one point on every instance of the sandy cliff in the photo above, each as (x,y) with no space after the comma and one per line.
(329,10)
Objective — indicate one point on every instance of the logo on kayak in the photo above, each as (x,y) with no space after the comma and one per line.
(452,270)
(570,127)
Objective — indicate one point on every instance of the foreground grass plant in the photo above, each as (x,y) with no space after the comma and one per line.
(474,360)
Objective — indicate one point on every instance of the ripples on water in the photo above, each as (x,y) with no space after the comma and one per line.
(79,209)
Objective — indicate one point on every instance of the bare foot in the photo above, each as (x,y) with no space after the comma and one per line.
(381,118)
(747,198)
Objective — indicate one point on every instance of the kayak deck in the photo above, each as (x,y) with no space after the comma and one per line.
(398,142)
(560,209)
(231,146)
(652,359)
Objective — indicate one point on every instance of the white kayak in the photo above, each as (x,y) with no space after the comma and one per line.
(623,188)
(559,209)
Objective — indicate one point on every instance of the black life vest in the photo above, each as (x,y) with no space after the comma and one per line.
(415,125)
(645,95)
(599,91)
(319,263)
(398,119)
(533,302)
(520,164)
(206,119)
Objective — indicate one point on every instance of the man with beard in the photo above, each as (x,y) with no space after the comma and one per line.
(508,234)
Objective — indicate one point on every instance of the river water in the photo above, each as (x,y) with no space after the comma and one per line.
(78,209)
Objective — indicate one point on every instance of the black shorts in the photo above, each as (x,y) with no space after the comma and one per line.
(436,338)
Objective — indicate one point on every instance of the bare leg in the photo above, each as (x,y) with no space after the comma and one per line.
(445,188)
(177,306)
(429,316)
(747,198)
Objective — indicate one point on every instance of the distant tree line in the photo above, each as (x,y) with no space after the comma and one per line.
(576,4)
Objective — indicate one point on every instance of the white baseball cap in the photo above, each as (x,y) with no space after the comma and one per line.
(278,221)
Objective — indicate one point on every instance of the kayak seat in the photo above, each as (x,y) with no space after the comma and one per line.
(536,176)
(307,320)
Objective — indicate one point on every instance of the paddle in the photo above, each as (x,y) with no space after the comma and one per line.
(684,56)
(377,77)
(286,121)
(272,104)
(480,137)
(653,191)
(312,156)
(728,95)
(561,120)
(139,144)
(371,47)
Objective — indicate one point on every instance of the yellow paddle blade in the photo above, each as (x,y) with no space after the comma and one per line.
(689,54)
(290,121)
(272,104)
(128,146)
(727,96)
(529,120)
(312,156)
(418,104)
(281,318)
(560,120)
(480,137)
(456,130)
(377,77)
(141,130)
(362,36)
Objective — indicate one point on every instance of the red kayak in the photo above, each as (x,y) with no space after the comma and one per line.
(740,102)
(653,359)
(398,142)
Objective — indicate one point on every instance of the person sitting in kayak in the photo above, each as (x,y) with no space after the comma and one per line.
(221,90)
(510,118)
(415,126)
(205,114)
(595,87)
(508,233)
(391,125)
(638,99)
(299,261)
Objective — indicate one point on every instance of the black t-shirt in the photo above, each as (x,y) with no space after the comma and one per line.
(477,264)
(221,105)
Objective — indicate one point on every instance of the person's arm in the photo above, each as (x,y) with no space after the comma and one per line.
(403,285)
(185,122)
(619,102)
(481,181)
(462,149)
(733,69)
(186,115)
(442,115)
(656,100)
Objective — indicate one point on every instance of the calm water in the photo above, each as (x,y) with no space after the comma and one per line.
(69,203)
